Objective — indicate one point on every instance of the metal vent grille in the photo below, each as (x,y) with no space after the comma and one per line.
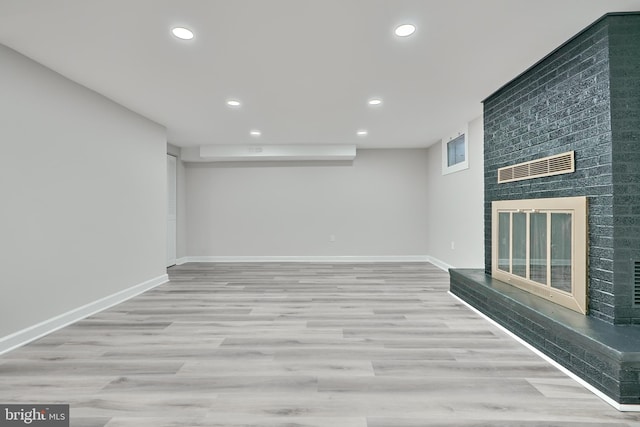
(548,166)
(636,283)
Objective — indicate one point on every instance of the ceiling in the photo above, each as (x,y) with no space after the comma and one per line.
(303,69)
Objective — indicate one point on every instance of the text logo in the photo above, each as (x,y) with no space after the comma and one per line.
(34,415)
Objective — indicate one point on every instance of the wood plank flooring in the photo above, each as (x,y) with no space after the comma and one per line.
(304,345)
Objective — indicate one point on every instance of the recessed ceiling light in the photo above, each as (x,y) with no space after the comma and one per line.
(255,133)
(233,103)
(182,33)
(405,30)
(362,132)
(375,101)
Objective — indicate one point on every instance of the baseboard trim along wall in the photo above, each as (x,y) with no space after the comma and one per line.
(622,407)
(439,263)
(320,259)
(20,338)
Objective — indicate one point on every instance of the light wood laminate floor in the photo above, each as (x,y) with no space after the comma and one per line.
(332,345)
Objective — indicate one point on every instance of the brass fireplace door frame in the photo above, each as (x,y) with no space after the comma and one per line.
(576,300)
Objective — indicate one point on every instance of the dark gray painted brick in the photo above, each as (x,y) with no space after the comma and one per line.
(585,97)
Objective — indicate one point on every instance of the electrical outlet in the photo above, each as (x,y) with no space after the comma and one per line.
(332,238)
(453,245)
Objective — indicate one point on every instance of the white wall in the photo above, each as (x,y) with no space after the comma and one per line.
(83,192)
(376,206)
(456,211)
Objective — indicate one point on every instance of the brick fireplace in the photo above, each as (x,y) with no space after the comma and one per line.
(584,97)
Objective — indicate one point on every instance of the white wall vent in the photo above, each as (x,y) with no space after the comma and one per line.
(636,283)
(548,166)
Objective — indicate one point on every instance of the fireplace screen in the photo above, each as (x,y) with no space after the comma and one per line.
(539,245)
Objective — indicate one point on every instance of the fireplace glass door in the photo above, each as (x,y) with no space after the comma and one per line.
(539,245)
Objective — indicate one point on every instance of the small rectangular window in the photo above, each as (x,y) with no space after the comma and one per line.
(455,152)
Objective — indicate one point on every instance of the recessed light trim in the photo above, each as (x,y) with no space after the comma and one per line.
(182,33)
(255,132)
(375,101)
(405,30)
(233,103)
(362,132)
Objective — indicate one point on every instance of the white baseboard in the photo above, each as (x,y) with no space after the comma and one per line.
(319,259)
(440,264)
(622,407)
(20,338)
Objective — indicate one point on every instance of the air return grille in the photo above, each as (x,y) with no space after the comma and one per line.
(548,166)
(636,283)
